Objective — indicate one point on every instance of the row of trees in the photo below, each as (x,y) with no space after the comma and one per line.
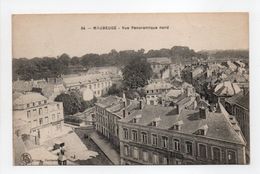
(39,68)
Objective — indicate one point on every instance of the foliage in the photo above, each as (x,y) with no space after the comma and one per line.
(115,90)
(137,73)
(73,102)
(44,67)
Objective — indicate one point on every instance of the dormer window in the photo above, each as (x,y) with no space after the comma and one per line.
(201,132)
(154,123)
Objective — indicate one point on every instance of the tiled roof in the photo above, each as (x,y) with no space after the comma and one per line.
(114,104)
(218,126)
(87,78)
(158,85)
(240,99)
(29,98)
(226,89)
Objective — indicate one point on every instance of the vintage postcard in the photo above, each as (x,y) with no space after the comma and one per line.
(131,89)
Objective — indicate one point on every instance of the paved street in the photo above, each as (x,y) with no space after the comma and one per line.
(107,148)
(101,158)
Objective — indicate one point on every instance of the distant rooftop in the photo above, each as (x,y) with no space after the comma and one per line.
(160,60)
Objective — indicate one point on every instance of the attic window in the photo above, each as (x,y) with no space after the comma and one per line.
(176,127)
(154,123)
(201,132)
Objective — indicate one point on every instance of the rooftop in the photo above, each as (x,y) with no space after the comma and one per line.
(86,78)
(160,60)
(240,99)
(218,126)
(28,98)
(227,89)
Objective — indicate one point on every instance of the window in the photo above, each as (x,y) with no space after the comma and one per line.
(155,159)
(125,133)
(201,132)
(231,157)
(189,148)
(40,111)
(165,160)
(28,105)
(33,104)
(34,112)
(46,109)
(45,101)
(29,114)
(34,123)
(176,144)
(58,116)
(134,135)
(46,120)
(58,106)
(135,153)
(216,154)
(202,151)
(164,142)
(40,121)
(154,139)
(53,117)
(144,137)
(154,123)
(145,156)
(126,150)
(39,103)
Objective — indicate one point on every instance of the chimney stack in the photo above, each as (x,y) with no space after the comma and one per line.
(203,112)
(141,104)
(124,113)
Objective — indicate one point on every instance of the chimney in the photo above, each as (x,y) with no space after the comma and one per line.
(124,113)
(203,112)
(178,109)
(141,105)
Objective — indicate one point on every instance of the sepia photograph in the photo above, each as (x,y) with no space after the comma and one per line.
(130,89)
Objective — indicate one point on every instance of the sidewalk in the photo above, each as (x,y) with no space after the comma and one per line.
(107,148)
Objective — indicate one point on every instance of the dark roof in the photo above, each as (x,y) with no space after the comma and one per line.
(115,105)
(240,99)
(218,125)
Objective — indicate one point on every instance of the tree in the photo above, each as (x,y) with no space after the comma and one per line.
(137,73)
(70,104)
(114,90)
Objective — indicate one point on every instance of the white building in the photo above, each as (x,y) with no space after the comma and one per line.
(37,118)
(98,83)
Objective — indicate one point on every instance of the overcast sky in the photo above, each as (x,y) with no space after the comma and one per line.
(53,35)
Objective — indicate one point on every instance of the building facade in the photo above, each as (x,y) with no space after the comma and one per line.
(107,113)
(160,136)
(97,83)
(42,119)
